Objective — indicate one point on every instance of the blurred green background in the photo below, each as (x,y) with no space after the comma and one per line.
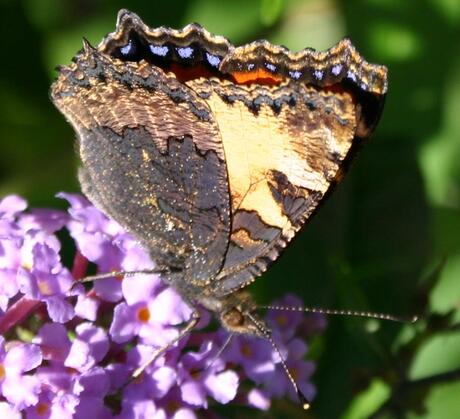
(388,239)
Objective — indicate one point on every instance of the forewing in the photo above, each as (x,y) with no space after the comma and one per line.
(152,159)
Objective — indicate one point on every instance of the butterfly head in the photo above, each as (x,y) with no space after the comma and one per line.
(237,313)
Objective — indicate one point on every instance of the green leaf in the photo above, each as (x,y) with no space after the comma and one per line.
(368,401)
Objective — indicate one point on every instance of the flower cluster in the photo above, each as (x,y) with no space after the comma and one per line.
(69,349)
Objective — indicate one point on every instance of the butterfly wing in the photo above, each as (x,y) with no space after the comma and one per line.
(152,159)
(285,148)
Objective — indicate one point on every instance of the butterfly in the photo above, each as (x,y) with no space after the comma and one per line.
(213,155)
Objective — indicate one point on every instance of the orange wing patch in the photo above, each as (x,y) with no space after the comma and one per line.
(259,76)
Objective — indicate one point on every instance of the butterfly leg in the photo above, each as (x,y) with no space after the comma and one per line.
(195,318)
(105,275)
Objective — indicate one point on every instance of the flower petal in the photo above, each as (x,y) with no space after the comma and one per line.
(21,391)
(258,399)
(194,393)
(59,310)
(11,205)
(223,386)
(53,341)
(8,411)
(23,358)
(124,325)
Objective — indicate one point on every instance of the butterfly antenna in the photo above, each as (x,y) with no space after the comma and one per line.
(216,356)
(353,313)
(189,326)
(220,351)
(266,333)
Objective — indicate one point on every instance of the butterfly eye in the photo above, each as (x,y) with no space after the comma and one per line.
(233,318)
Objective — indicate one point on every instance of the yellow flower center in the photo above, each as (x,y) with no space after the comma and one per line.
(282,320)
(44,287)
(172,406)
(27,265)
(2,372)
(195,374)
(42,409)
(246,350)
(143,314)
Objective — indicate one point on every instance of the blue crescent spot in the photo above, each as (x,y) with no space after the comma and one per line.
(295,74)
(271,67)
(213,60)
(128,48)
(337,69)
(318,74)
(161,50)
(185,52)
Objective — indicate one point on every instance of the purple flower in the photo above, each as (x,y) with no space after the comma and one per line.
(286,322)
(67,393)
(95,236)
(12,205)
(155,383)
(8,411)
(173,407)
(199,378)
(91,337)
(10,260)
(53,405)
(19,389)
(54,342)
(46,220)
(103,242)
(91,388)
(277,383)
(43,278)
(150,312)
(140,410)
(255,355)
(88,348)
(258,398)
(11,240)
(87,305)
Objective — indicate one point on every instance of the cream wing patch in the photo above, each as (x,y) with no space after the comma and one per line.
(257,144)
